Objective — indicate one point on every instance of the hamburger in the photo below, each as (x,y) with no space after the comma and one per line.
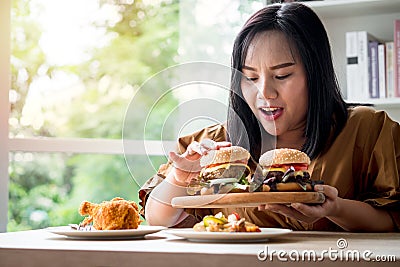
(223,170)
(286,169)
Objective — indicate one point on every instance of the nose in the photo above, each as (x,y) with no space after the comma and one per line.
(266,89)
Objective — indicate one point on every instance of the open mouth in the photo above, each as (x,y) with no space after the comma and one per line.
(269,111)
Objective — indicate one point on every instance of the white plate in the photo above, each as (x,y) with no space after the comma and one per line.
(265,233)
(106,234)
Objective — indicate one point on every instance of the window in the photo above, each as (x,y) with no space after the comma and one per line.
(93,109)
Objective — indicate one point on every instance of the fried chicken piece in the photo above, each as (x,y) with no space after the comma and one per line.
(111,215)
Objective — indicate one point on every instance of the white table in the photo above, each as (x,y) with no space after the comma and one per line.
(42,248)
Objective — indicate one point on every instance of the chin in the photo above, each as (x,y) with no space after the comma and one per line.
(271,129)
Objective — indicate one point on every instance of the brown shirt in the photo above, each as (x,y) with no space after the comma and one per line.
(363,163)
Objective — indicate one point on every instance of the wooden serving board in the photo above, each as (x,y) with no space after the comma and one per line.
(246,199)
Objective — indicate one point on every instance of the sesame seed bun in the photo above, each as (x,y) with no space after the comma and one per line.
(283,156)
(225,155)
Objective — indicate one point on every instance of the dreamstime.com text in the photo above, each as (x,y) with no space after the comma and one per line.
(341,253)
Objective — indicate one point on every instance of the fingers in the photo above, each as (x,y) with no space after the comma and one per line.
(205,146)
(309,211)
(185,169)
(186,163)
(218,145)
(298,211)
(289,211)
(329,191)
(304,212)
(190,160)
(194,148)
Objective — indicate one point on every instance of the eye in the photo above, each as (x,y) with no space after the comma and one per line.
(282,77)
(250,78)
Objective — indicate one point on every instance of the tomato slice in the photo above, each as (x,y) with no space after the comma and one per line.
(296,166)
(233,162)
(236,215)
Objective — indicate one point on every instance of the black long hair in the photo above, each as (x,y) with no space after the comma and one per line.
(327,111)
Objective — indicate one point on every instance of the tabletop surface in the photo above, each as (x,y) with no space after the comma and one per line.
(38,247)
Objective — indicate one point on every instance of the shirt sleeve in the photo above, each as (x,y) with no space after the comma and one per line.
(215,132)
(384,166)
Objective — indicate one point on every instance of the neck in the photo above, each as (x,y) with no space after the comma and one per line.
(293,139)
(288,144)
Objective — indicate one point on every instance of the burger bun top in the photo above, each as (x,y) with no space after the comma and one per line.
(225,155)
(283,156)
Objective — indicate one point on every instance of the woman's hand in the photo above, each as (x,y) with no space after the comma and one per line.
(309,213)
(158,209)
(187,166)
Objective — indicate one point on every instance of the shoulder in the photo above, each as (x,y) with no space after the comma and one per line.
(366,116)
(368,125)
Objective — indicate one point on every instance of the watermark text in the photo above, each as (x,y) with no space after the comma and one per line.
(340,253)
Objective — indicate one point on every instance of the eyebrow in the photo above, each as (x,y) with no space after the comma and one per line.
(279,66)
(248,68)
(283,65)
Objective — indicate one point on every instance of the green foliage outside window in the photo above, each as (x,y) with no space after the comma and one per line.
(46,189)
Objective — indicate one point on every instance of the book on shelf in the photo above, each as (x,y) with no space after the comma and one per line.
(352,79)
(364,38)
(373,69)
(396,57)
(382,70)
(358,65)
(389,70)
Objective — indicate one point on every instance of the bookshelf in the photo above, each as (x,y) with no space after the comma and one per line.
(374,16)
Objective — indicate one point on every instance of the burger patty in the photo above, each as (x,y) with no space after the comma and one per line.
(290,176)
(233,171)
(277,177)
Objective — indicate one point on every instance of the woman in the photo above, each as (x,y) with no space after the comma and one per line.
(285,94)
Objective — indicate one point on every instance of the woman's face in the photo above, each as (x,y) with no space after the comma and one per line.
(274,85)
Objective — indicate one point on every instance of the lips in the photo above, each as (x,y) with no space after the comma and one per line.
(271,113)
